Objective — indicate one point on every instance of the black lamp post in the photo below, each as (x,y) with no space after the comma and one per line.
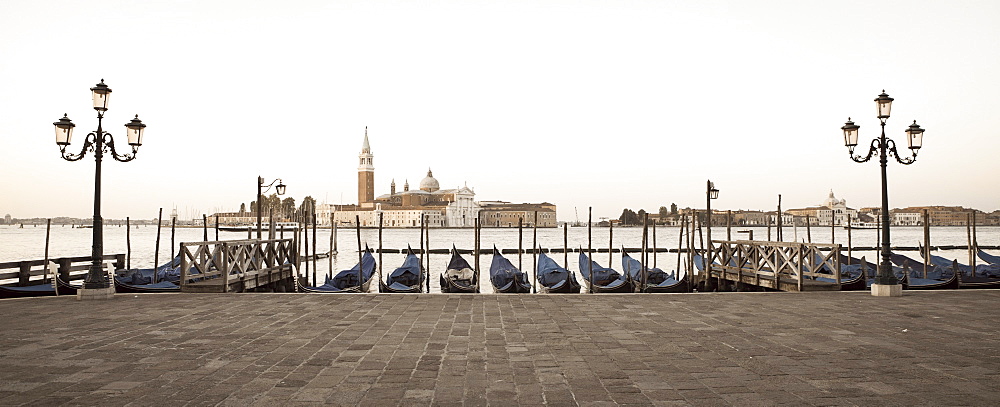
(710,194)
(884,146)
(280,188)
(98,142)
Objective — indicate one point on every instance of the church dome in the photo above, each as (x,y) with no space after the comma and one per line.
(429,183)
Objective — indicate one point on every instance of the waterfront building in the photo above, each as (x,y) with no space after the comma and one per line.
(506,214)
(454,207)
(832,211)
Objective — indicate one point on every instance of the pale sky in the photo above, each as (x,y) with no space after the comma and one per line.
(610,104)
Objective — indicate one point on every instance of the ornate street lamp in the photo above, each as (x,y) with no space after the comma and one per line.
(99,142)
(884,146)
(710,194)
(261,189)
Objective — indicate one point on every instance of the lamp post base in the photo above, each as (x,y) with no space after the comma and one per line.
(886,290)
(85,294)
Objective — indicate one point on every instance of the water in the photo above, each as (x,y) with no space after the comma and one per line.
(29,243)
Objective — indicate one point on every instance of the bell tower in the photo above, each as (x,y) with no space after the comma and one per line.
(366,174)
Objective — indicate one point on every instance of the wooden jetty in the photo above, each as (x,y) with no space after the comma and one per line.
(238,265)
(784,266)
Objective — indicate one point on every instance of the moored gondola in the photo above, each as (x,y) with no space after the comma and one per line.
(347,281)
(505,277)
(407,278)
(459,277)
(968,277)
(554,279)
(605,279)
(657,280)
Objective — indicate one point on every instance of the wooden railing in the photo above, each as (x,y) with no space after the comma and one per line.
(769,262)
(31,272)
(223,263)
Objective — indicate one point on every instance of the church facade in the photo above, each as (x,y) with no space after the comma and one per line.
(407,207)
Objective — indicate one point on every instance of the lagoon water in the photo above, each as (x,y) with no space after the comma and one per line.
(28,243)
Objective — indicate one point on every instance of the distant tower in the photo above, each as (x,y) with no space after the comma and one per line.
(406,185)
(392,187)
(366,173)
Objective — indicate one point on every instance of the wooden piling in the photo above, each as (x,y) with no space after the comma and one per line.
(611,240)
(590,252)
(329,259)
(379,249)
(729,225)
(204,226)
(520,242)
(477,254)
(216,228)
(849,240)
(316,240)
(768,228)
(128,244)
(654,245)
(534,255)
(781,236)
(565,247)
(833,228)
(361,254)
(173,235)
(305,236)
(427,237)
(643,253)
(809,234)
(968,233)
(927,242)
(680,240)
(423,257)
(156,253)
(45,263)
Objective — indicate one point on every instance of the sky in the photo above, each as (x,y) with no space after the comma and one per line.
(602,104)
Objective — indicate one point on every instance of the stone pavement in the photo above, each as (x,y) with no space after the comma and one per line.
(742,349)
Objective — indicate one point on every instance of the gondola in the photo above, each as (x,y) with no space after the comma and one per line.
(937,277)
(657,280)
(408,278)
(605,279)
(966,277)
(459,277)
(554,279)
(38,290)
(169,271)
(346,281)
(126,285)
(505,277)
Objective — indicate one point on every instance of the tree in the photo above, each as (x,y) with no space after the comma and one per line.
(253,206)
(640,216)
(243,207)
(664,213)
(673,209)
(628,217)
(308,205)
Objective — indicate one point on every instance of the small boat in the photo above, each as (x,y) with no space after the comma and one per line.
(605,279)
(125,286)
(505,277)
(967,278)
(347,281)
(264,227)
(459,277)
(38,290)
(937,277)
(407,278)
(554,279)
(657,280)
(863,225)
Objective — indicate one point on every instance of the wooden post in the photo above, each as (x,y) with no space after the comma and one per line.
(781,235)
(427,237)
(833,231)
(204,226)
(565,247)
(975,243)
(156,253)
(680,240)
(927,243)
(476,239)
(361,254)
(45,263)
(534,257)
(423,256)
(216,227)
(316,240)
(379,250)
(329,267)
(849,248)
(520,242)
(128,244)
(173,229)
(305,232)
(809,234)
(768,228)
(729,225)
(654,244)
(611,242)
(968,233)
(643,254)
(590,252)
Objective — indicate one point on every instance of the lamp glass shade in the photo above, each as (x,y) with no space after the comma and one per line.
(915,136)
(850,133)
(135,131)
(884,104)
(64,131)
(101,93)
(281,189)
(713,193)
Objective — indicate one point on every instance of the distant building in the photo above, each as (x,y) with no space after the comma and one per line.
(833,211)
(506,214)
(430,204)
(7,219)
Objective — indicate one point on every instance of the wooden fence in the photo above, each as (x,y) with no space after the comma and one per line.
(31,272)
(237,265)
(784,266)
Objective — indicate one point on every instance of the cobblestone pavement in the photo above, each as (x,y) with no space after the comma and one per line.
(742,349)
